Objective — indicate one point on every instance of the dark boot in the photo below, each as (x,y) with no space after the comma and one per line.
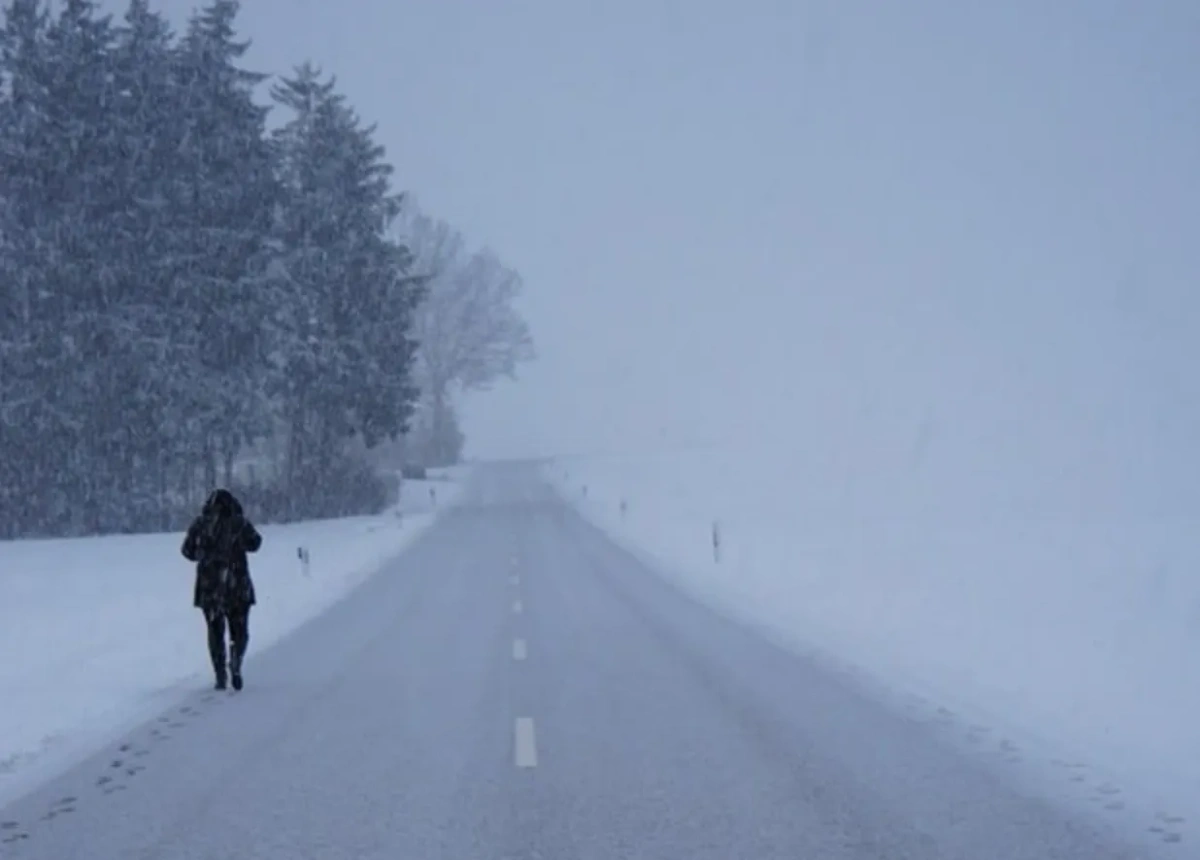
(220,684)
(219,670)
(216,646)
(235,667)
(239,634)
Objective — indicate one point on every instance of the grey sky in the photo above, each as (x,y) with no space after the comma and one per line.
(830,219)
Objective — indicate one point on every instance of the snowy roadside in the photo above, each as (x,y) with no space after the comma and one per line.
(98,633)
(1061,649)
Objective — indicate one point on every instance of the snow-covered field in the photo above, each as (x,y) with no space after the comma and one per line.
(97,633)
(1065,645)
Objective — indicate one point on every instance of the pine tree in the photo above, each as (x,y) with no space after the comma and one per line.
(176,282)
(99,373)
(225,194)
(345,365)
(59,190)
(24,369)
(149,121)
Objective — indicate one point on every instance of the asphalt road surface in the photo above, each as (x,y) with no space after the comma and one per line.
(516,686)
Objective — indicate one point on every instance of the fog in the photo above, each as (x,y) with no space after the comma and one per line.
(932,226)
(871,325)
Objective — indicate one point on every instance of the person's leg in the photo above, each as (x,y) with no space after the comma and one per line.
(239,635)
(215,620)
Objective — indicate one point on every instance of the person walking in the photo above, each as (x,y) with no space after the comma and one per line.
(218,541)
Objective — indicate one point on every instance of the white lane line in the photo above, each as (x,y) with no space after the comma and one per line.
(517,607)
(519,649)
(526,746)
(515,580)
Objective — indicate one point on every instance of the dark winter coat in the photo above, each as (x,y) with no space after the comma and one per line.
(217,541)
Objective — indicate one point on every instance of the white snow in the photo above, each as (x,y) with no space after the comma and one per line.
(1072,636)
(98,633)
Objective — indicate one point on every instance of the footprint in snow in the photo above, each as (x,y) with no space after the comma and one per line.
(1069,765)
(63,806)
(1166,835)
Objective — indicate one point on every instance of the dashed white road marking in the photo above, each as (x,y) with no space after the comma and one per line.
(519,649)
(517,607)
(515,580)
(526,744)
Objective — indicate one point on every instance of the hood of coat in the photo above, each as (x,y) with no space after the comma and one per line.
(222,503)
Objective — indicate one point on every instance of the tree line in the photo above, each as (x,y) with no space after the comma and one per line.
(186,296)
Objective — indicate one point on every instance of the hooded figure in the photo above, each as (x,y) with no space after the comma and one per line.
(217,541)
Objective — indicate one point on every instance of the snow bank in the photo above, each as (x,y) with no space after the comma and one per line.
(97,633)
(1072,636)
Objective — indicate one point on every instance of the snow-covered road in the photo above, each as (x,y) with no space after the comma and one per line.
(517,686)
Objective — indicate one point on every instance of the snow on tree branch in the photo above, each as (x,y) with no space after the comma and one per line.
(468,331)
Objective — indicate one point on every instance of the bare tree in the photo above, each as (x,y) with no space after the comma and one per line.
(469,333)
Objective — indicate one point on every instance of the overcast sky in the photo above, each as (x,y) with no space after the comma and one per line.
(807,217)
